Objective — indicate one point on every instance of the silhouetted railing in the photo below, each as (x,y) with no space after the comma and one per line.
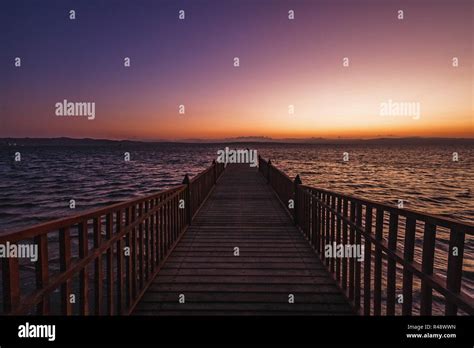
(102,261)
(389,236)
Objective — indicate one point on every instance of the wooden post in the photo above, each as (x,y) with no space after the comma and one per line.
(296,183)
(455,261)
(64,263)
(269,165)
(98,270)
(214,170)
(408,254)
(391,264)
(110,265)
(427,263)
(187,206)
(378,262)
(11,283)
(42,276)
(83,274)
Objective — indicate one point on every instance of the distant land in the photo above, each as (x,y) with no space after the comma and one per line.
(64,141)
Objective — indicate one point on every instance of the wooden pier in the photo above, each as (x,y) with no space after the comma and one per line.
(238,241)
(274,262)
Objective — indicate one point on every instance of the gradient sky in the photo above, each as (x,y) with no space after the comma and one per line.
(190,62)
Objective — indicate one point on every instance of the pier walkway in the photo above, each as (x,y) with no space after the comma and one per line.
(275,272)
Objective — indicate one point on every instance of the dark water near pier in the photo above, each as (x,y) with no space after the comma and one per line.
(425,177)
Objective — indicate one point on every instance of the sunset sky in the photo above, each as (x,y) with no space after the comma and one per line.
(282,62)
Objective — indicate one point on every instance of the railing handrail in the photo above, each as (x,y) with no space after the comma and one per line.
(443,221)
(314,212)
(45,227)
(466,227)
(463,301)
(149,227)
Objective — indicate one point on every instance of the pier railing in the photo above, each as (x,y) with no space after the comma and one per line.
(404,263)
(101,261)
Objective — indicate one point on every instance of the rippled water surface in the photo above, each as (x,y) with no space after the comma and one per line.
(425,177)
(40,186)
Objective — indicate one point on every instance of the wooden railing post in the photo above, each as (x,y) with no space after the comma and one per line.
(187,204)
(214,170)
(83,274)
(64,263)
(296,183)
(269,166)
(42,275)
(454,272)
(11,283)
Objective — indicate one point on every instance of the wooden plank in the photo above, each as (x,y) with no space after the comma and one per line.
(258,279)
(211,313)
(248,253)
(298,264)
(242,306)
(249,297)
(289,272)
(242,288)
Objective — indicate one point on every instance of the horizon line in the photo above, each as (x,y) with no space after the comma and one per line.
(262,139)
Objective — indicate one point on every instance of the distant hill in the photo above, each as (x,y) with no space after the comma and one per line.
(405,140)
(63,141)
